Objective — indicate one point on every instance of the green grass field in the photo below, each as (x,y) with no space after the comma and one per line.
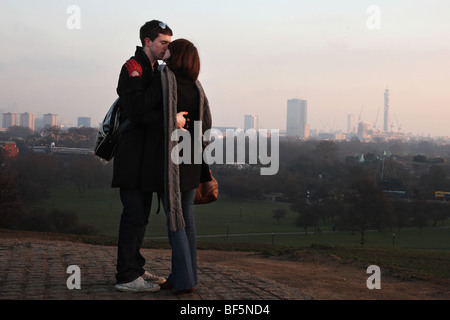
(237,221)
(249,226)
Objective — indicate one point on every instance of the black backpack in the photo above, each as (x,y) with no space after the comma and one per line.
(109,132)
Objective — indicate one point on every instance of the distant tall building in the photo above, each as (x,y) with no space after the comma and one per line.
(84,122)
(363,129)
(10,120)
(50,120)
(386,110)
(296,122)
(38,122)
(27,120)
(251,122)
(351,123)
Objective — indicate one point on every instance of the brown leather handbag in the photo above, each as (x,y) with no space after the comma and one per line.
(207,192)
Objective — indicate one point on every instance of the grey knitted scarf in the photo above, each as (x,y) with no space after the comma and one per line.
(172,198)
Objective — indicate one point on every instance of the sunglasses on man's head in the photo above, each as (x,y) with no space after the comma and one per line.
(161,25)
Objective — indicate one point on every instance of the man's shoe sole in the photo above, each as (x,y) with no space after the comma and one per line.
(125,289)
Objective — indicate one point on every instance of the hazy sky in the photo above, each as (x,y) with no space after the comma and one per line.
(255,55)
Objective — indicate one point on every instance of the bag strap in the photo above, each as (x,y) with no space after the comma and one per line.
(122,127)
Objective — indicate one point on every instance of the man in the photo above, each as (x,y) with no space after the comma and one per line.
(133,153)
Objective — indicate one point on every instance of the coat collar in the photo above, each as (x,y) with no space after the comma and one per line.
(140,54)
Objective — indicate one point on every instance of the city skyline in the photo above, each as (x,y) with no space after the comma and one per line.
(339,56)
(296,122)
(29,120)
(296,111)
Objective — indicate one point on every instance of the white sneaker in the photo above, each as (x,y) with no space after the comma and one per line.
(138,285)
(152,278)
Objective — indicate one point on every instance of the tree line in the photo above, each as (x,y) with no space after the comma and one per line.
(74,137)
(351,185)
(28,178)
(342,184)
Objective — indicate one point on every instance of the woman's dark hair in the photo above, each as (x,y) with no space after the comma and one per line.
(184,58)
(152,29)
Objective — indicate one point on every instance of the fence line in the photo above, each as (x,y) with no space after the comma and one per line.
(229,235)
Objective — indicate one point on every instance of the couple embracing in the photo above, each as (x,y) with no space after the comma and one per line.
(158,99)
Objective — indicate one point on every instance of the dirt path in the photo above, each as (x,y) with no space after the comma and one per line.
(330,278)
(319,277)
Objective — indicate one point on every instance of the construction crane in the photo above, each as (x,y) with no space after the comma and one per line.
(399,126)
(359,120)
(376,119)
(360,114)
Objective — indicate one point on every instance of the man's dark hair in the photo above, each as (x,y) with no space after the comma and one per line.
(152,29)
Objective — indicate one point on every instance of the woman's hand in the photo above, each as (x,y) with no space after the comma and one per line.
(181,120)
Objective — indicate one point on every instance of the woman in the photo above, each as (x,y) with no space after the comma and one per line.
(175,100)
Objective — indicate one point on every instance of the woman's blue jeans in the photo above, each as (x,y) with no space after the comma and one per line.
(184,247)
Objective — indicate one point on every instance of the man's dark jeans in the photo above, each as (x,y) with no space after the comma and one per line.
(133,222)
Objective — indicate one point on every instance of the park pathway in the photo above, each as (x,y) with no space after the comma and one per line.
(36,269)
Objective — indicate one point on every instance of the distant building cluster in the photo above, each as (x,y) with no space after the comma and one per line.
(39,122)
(29,120)
(297,125)
(365,130)
(296,121)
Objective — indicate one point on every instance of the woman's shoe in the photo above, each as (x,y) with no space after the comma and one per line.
(185,291)
(166,286)
(153,278)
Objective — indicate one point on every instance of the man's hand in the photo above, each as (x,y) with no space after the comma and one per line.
(181,120)
(134,68)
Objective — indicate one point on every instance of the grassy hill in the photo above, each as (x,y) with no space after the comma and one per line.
(239,221)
